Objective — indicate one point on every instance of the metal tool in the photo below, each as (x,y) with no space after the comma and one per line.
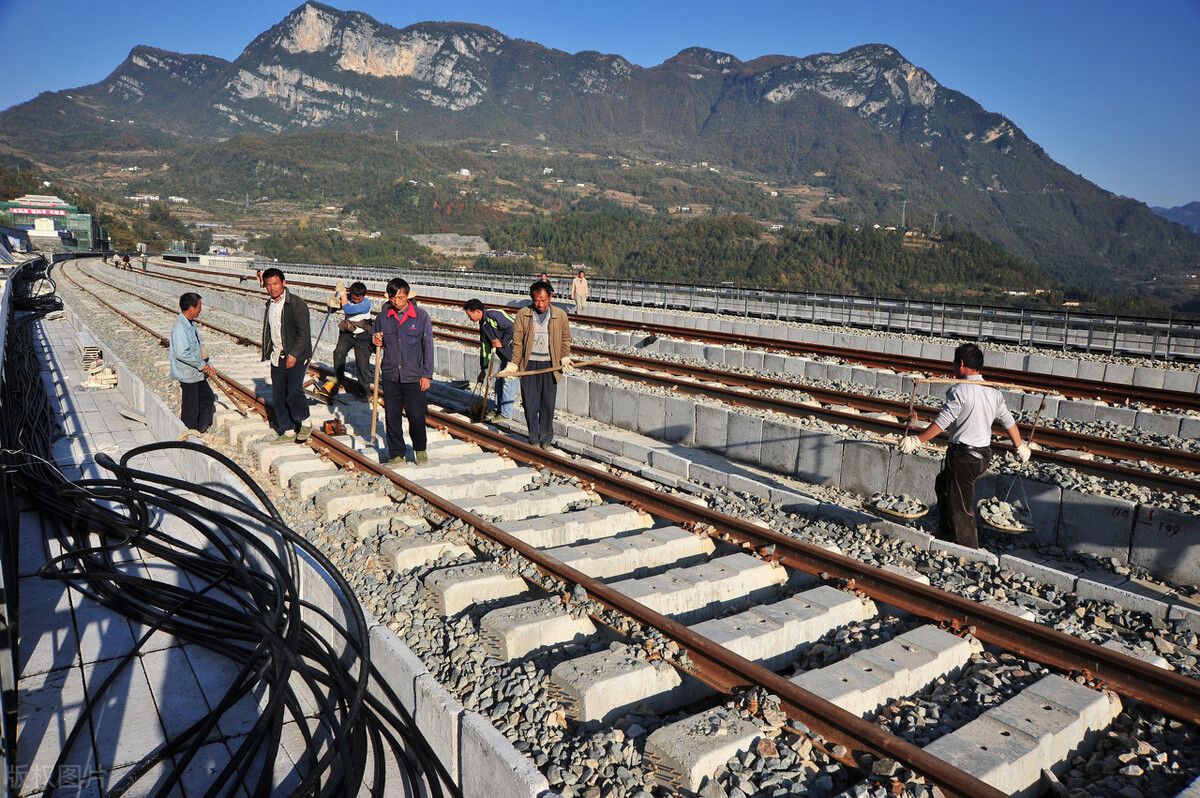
(324,324)
(1032,432)
(487,383)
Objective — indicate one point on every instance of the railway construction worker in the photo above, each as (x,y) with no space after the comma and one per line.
(495,340)
(967,417)
(189,365)
(541,344)
(353,333)
(579,292)
(405,368)
(287,344)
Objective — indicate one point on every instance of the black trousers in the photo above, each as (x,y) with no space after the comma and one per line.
(539,392)
(287,394)
(404,400)
(955,491)
(197,405)
(361,344)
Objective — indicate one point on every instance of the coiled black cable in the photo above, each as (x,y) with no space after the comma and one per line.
(237,595)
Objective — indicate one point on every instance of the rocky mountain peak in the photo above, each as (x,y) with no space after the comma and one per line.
(704,59)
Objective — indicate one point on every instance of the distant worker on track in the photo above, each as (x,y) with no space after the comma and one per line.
(967,417)
(190,367)
(495,341)
(579,292)
(287,344)
(354,332)
(541,343)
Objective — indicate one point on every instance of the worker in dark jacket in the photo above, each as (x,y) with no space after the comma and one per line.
(405,370)
(495,341)
(287,344)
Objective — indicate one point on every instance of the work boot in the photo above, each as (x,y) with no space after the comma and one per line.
(303,434)
(422,457)
(396,461)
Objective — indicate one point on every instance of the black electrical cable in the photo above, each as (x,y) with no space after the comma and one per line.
(238,596)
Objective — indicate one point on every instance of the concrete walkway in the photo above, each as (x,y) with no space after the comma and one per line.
(69,644)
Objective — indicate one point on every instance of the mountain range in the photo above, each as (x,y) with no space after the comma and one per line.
(1186,215)
(879,135)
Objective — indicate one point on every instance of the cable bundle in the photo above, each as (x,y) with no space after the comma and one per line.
(236,594)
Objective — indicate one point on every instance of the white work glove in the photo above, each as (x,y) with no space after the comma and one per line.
(567,364)
(909,444)
(508,371)
(1025,451)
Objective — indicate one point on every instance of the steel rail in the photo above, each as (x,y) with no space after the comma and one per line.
(1101,447)
(1061,439)
(713,664)
(727,671)
(1165,690)
(1161,482)
(1051,383)
(1068,386)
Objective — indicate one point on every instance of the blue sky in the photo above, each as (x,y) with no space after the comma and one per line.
(1110,89)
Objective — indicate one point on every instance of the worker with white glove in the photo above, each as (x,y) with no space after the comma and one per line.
(541,339)
(966,416)
(567,363)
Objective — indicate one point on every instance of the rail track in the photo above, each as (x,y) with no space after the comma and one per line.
(1125,461)
(1120,394)
(675,570)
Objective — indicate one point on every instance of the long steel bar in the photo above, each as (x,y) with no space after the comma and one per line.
(1170,692)
(723,669)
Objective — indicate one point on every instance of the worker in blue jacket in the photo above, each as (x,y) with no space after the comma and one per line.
(405,369)
(190,366)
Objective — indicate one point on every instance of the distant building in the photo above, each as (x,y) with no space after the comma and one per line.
(453,244)
(51,217)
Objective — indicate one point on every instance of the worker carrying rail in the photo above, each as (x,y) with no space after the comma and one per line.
(353,333)
(966,417)
(495,341)
(541,347)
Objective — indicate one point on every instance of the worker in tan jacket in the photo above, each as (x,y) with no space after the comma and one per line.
(542,343)
(579,292)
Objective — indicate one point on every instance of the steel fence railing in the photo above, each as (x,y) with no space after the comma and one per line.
(1065,330)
